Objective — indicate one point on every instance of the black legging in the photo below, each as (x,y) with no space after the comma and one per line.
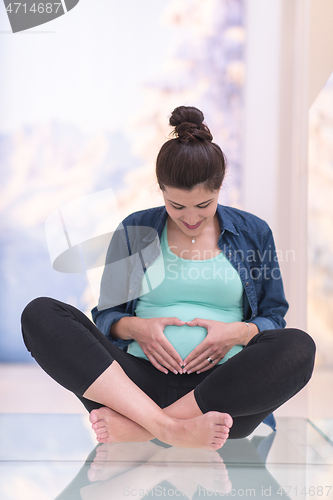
(272,368)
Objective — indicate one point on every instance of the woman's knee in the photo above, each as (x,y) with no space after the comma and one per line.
(291,340)
(33,317)
(301,343)
(302,350)
(36,309)
(292,348)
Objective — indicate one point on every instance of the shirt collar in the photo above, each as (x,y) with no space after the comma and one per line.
(158,226)
(226,223)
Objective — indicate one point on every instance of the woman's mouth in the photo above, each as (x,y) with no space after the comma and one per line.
(192,227)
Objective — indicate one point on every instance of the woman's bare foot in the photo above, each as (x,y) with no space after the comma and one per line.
(207,431)
(112,427)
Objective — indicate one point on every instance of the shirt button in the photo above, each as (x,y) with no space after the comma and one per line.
(130,290)
(146,264)
(247,284)
(230,255)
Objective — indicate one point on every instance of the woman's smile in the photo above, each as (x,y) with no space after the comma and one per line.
(195,226)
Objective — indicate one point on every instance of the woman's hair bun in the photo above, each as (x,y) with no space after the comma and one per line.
(189,126)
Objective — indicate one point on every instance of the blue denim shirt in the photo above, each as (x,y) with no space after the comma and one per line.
(245,240)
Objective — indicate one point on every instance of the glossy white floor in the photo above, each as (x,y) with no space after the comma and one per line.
(48,451)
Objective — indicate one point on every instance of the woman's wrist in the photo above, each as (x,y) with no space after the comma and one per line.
(249,331)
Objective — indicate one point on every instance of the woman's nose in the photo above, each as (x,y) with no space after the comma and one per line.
(191,218)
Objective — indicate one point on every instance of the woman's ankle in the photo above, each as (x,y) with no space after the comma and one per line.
(167,430)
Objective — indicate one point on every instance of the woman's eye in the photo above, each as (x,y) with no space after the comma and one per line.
(199,206)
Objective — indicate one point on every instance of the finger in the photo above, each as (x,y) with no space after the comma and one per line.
(163,361)
(156,364)
(194,355)
(159,348)
(199,353)
(173,356)
(198,322)
(199,364)
(166,360)
(203,367)
(173,321)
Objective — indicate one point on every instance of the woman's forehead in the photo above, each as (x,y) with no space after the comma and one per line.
(199,194)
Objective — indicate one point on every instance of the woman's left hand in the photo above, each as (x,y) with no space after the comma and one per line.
(221,337)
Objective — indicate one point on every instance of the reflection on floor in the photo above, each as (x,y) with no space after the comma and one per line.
(324,427)
(48,457)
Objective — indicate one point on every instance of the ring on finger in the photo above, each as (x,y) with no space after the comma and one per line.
(210,360)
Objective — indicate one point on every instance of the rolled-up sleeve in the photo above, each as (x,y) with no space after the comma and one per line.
(272,303)
(105,319)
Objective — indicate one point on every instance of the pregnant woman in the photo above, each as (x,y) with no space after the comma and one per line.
(190,344)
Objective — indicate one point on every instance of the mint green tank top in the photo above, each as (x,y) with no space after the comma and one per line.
(207,289)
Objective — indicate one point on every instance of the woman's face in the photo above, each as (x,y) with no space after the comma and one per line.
(192,211)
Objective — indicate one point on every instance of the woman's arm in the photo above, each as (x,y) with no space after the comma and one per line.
(106,318)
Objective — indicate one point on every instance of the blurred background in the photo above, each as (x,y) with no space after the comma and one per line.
(85,103)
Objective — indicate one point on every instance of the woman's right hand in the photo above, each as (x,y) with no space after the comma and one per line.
(150,336)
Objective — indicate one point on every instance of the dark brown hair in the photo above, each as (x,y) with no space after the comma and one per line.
(190,158)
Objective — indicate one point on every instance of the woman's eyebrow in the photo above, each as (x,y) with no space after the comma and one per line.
(201,203)
(175,203)
(204,202)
